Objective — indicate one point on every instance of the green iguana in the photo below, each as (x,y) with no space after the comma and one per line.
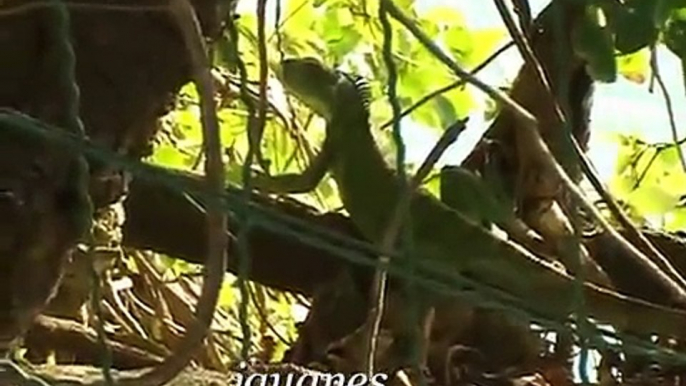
(445,242)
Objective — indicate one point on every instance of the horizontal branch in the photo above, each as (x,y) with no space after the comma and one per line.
(161,219)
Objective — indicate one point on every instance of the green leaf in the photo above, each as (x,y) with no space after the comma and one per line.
(301,13)
(303,44)
(338,31)
(343,42)
(664,9)
(633,24)
(593,42)
(653,199)
(669,158)
(299,37)
(489,40)
(629,148)
(635,66)
(675,32)
(419,80)
(227,296)
(427,116)
(462,101)
(676,220)
(649,178)
(168,156)
(459,41)
(432,184)
(441,18)
(446,111)
(404,5)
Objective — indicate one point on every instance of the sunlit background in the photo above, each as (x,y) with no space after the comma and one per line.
(622,106)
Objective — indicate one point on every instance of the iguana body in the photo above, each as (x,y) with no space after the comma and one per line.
(445,242)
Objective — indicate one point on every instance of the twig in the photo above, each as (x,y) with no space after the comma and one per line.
(523,10)
(668,104)
(11,372)
(448,138)
(96,295)
(526,51)
(262,313)
(402,206)
(655,263)
(458,83)
(646,169)
(669,276)
(379,282)
(529,127)
(256,135)
(574,248)
(244,213)
(213,272)
(277,30)
(519,111)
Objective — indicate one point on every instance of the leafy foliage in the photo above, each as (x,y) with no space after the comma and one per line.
(592,41)
(614,37)
(651,182)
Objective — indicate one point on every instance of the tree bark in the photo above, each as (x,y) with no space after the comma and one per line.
(163,220)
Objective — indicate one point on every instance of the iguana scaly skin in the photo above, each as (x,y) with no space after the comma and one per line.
(445,242)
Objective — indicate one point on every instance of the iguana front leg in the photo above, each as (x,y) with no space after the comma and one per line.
(476,198)
(303,182)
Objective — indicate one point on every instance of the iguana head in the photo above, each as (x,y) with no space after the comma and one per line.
(310,82)
(322,88)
